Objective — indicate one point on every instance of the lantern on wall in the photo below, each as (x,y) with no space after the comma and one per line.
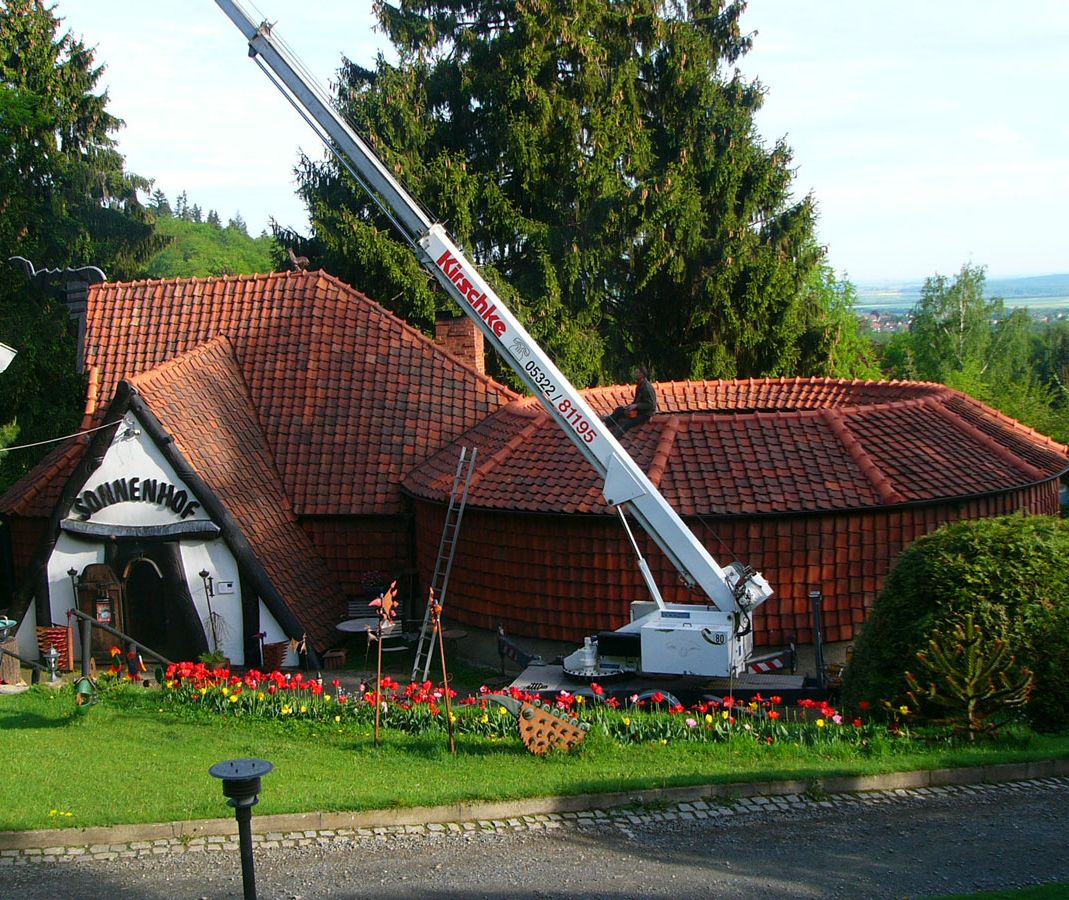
(6,355)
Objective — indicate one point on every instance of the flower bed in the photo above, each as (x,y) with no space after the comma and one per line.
(419,707)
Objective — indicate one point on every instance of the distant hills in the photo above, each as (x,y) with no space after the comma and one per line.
(1037,292)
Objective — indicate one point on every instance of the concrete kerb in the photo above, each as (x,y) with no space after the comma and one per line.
(56,840)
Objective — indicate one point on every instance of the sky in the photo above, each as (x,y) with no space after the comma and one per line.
(931,134)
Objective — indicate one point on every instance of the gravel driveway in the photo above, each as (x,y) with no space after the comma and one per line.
(893,844)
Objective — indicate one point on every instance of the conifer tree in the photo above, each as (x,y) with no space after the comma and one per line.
(159,204)
(600,163)
(65,200)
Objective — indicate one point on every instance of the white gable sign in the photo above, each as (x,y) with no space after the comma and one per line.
(135,486)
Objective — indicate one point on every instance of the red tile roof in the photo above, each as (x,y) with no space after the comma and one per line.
(761,446)
(201,400)
(348,397)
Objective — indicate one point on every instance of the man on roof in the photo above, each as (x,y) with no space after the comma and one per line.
(638,412)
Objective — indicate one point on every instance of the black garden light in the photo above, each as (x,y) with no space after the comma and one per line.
(241,784)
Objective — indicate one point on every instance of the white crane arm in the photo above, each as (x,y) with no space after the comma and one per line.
(625,484)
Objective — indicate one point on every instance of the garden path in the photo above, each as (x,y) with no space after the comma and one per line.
(925,842)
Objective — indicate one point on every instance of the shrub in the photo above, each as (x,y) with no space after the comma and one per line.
(1009,573)
(972,685)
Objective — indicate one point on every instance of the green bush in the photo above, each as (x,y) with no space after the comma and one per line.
(1010,573)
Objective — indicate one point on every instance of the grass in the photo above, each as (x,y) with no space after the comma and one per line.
(131,759)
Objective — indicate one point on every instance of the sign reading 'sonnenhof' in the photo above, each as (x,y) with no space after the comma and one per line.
(160,493)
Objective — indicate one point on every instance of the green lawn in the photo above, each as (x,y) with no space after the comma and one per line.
(133,759)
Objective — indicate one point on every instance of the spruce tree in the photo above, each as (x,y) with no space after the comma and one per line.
(600,163)
(65,200)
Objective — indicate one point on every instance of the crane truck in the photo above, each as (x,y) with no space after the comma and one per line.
(713,639)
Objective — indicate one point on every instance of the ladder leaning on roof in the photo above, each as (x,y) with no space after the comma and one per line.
(447,548)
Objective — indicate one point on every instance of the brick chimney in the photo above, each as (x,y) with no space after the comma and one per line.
(459,336)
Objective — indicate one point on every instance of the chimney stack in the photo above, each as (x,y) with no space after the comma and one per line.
(459,336)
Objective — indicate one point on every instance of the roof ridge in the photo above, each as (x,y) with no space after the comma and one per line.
(1008,422)
(92,397)
(222,343)
(834,419)
(314,277)
(663,450)
(999,449)
(105,286)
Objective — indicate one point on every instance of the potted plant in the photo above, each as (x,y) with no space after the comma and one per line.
(215,658)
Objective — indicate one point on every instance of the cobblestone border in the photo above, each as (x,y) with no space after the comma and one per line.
(622,811)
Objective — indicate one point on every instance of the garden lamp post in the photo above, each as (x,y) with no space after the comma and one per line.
(241,783)
(52,661)
(816,600)
(209,592)
(6,355)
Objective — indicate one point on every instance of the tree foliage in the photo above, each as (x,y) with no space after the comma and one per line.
(971,684)
(962,338)
(203,249)
(600,163)
(65,200)
(1009,573)
(836,342)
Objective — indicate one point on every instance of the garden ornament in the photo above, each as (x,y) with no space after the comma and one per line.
(542,727)
(85,694)
(52,661)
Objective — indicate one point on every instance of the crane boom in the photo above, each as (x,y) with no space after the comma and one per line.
(736,589)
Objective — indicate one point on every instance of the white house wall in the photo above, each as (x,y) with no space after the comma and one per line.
(68,554)
(134,459)
(133,455)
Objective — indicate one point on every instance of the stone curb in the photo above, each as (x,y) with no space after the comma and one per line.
(300,829)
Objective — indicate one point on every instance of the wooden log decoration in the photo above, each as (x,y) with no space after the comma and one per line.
(543,727)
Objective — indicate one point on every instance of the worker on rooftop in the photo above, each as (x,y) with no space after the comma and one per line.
(638,412)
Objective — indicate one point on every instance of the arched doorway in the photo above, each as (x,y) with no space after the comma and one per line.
(146,605)
(159,609)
